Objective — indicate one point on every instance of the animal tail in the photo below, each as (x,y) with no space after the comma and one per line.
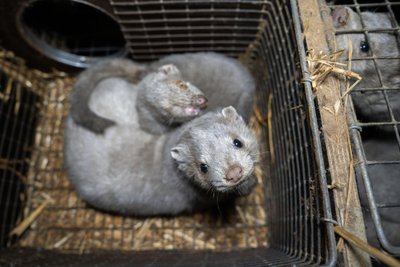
(87,83)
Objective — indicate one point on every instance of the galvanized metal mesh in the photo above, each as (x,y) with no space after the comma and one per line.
(266,36)
(156,28)
(68,224)
(264,31)
(18,107)
(378,175)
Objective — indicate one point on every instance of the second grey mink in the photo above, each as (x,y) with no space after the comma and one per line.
(163,101)
(224,81)
(383,45)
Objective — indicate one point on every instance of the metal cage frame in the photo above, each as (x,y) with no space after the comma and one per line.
(301,226)
(356,125)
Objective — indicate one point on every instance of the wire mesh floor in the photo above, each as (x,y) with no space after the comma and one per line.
(68,224)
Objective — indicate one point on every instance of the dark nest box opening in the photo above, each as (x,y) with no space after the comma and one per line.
(69,32)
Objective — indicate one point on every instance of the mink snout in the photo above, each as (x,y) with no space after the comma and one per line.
(234,174)
(199,101)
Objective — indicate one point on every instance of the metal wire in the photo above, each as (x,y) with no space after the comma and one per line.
(17,115)
(154,29)
(267,35)
(360,127)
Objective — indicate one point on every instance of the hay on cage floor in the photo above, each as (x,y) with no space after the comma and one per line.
(67,223)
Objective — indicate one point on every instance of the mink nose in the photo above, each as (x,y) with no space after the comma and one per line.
(234,174)
(199,101)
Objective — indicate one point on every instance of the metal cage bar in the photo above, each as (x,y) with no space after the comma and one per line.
(268,34)
(358,124)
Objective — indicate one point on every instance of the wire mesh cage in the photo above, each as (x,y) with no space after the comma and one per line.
(287,220)
(371,28)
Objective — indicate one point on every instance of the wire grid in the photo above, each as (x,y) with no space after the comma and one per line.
(295,177)
(365,129)
(68,224)
(156,28)
(264,30)
(18,106)
(262,33)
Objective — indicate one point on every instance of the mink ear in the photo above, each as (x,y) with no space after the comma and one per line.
(341,16)
(230,113)
(180,153)
(167,70)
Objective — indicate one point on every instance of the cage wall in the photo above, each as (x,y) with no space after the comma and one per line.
(293,190)
(373,28)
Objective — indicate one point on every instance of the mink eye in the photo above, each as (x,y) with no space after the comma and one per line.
(203,168)
(237,143)
(364,46)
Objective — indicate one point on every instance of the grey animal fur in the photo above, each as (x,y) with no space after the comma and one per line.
(86,84)
(371,105)
(131,171)
(385,183)
(165,100)
(224,81)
